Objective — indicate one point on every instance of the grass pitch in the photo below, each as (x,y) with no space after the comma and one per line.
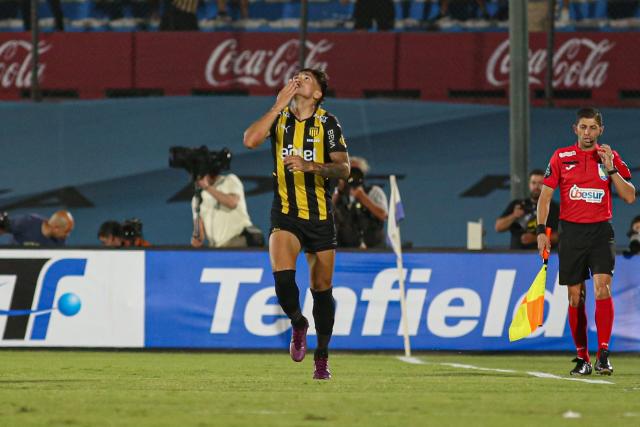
(66,388)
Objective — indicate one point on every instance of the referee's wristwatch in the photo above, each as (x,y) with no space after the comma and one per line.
(613,171)
(541,229)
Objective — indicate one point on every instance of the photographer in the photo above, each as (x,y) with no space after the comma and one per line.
(218,205)
(35,230)
(132,234)
(360,210)
(634,238)
(110,234)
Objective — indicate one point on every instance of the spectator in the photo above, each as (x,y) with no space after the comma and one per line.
(179,15)
(223,14)
(223,215)
(56,10)
(520,216)
(366,12)
(622,9)
(360,209)
(110,234)
(35,230)
(462,10)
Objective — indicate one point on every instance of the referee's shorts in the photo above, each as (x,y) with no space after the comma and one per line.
(584,250)
(314,236)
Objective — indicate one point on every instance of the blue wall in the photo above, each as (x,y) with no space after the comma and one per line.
(114,152)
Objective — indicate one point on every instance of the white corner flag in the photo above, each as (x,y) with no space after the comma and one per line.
(396,214)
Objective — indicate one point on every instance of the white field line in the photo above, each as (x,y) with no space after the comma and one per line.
(417,361)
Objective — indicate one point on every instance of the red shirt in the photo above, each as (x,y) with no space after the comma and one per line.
(585,186)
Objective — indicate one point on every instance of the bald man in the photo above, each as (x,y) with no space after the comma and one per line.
(35,230)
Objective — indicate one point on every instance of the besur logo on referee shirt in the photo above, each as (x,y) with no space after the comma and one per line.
(589,195)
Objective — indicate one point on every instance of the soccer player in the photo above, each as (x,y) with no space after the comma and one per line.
(585,172)
(308,150)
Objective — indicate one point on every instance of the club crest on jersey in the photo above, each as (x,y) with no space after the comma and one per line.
(314,131)
(567,154)
(602,171)
(589,195)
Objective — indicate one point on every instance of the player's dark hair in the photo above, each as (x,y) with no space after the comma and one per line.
(321,77)
(536,172)
(589,113)
(110,228)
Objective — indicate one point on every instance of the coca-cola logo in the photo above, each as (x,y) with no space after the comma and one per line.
(578,62)
(15,63)
(228,65)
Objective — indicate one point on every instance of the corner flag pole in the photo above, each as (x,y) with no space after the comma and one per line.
(396,213)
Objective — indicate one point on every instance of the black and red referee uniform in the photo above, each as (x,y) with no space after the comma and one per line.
(586,236)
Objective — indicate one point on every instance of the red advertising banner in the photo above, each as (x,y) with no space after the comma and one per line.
(261,63)
(87,63)
(592,68)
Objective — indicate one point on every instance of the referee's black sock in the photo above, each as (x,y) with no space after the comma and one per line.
(289,296)
(324,310)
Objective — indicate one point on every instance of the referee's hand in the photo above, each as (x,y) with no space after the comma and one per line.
(543,243)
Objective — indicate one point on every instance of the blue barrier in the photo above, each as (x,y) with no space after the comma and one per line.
(461,301)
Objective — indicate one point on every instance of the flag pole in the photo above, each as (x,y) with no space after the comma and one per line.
(398,250)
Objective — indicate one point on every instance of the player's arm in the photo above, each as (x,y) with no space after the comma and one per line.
(259,130)
(338,167)
(543,213)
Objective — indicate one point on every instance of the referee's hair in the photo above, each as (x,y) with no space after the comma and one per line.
(589,113)
(321,77)
(536,172)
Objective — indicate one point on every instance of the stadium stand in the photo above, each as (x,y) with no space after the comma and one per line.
(324,15)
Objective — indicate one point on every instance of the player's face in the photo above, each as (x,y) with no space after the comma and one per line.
(535,186)
(588,132)
(307,86)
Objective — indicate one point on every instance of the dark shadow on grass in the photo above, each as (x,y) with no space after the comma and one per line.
(42,381)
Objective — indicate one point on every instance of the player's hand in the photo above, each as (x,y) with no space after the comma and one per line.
(543,243)
(518,211)
(286,95)
(196,243)
(606,155)
(297,164)
(527,238)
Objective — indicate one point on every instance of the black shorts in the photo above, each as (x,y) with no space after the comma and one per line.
(584,250)
(314,236)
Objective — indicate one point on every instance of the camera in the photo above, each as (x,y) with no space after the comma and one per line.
(132,229)
(634,245)
(356,178)
(4,221)
(200,161)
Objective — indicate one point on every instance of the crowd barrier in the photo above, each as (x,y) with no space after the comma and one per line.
(588,67)
(226,300)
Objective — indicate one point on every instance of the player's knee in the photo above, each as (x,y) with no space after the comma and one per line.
(324,309)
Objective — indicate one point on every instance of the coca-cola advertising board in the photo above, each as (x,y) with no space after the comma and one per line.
(85,63)
(595,68)
(261,63)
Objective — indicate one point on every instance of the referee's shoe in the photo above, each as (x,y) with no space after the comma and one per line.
(582,367)
(603,366)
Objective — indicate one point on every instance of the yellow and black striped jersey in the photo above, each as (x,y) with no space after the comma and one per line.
(299,194)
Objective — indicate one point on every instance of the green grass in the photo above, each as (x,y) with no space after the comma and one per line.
(65,388)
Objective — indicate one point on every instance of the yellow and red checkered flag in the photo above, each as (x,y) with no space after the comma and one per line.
(530,314)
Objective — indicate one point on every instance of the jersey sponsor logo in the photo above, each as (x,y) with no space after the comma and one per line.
(313,140)
(332,138)
(567,154)
(569,167)
(602,172)
(589,195)
(308,155)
